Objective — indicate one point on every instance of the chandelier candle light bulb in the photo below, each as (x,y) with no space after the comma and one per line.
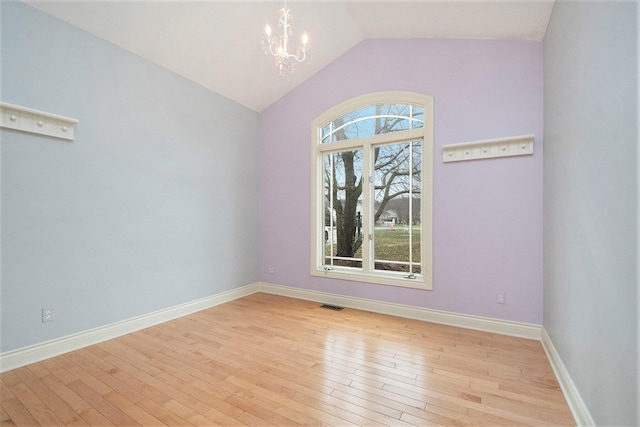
(278,46)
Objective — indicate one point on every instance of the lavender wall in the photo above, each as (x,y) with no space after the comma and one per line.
(487,217)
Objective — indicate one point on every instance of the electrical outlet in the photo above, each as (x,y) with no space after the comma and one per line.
(47,315)
(502,298)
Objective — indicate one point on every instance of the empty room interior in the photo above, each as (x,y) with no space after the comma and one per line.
(418,213)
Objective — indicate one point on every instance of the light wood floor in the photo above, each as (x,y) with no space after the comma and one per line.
(270,360)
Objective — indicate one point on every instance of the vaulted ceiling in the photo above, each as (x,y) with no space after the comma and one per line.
(217,44)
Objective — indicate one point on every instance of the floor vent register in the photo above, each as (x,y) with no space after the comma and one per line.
(331,307)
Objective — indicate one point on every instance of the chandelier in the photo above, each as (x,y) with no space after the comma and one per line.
(278,46)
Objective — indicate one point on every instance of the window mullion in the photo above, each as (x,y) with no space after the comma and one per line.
(391,137)
(411,195)
(367,206)
(331,222)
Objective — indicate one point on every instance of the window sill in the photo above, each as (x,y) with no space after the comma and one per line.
(389,279)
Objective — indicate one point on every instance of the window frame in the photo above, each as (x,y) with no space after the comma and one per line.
(318,150)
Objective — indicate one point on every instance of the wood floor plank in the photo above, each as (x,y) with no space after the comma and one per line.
(54,366)
(270,360)
(58,406)
(99,403)
(163,414)
(104,372)
(20,390)
(5,391)
(287,400)
(419,421)
(39,370)
(76,403)
(93,417)
(129,408)
(18,413)
(5,419)
(45,417)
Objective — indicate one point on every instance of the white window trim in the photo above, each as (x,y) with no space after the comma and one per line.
(423,280)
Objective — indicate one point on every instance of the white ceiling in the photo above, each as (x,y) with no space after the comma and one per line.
(217,44)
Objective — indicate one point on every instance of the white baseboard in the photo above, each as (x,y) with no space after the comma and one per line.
(35,353)
(579,410)
(504,327)
(523,330)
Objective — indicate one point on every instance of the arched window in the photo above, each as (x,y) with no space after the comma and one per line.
(371,190)
(373,120)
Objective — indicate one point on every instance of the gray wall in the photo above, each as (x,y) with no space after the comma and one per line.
(590,202)
(154,204)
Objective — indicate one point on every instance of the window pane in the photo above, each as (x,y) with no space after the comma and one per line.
(416,233)
(373,120)
(397,191)
(342,231)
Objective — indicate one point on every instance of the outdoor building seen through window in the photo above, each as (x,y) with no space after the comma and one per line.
(372,191)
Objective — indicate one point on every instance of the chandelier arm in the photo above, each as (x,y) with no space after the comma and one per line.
(304,56)
(271,50)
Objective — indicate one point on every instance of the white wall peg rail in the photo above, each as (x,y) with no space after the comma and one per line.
(488,149)
(34,121)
